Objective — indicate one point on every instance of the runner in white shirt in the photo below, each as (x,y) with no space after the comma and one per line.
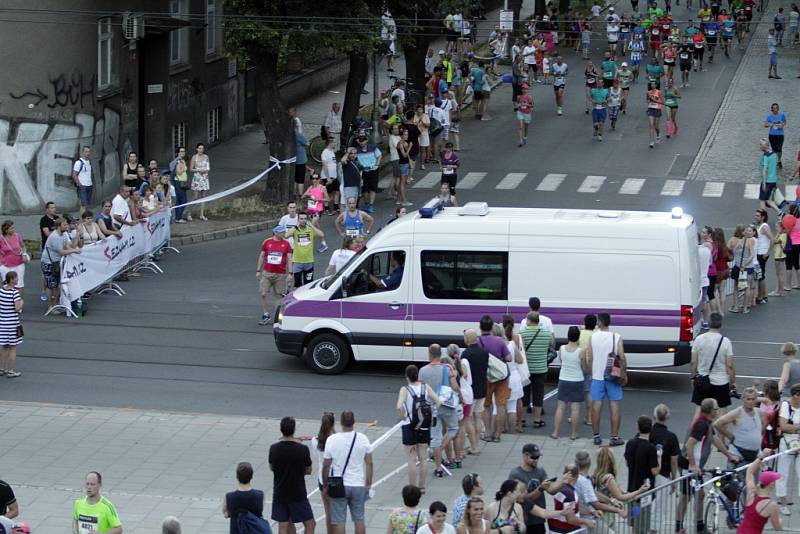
(559,70)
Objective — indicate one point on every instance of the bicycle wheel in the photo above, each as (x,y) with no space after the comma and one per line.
(315,148)
(710,516)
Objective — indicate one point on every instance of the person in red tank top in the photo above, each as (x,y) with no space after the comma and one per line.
(759,506)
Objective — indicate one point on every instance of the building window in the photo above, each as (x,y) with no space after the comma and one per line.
(465,275)
(104,53)
(213,125)
(212,28)
(179,135)
(179,39)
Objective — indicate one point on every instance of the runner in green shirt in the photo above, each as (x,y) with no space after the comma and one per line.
(655,72)
(625,75)
(94,513)
(303,235)
(609,69)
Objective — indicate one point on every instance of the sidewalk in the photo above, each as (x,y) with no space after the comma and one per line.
(730,150)
(156,464)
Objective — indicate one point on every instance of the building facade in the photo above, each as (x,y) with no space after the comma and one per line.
(145,79)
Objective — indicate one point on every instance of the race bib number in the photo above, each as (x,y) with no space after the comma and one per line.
(653,105)
(712,33)
(312,204)
(698,45)
(87,524)
(590,80)
(559,80)
(598,106)
(450,170)
(304,240)
(684,55)
(275,258)
(351,232)
(655,31)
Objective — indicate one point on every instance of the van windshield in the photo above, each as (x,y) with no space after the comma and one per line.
(331,280)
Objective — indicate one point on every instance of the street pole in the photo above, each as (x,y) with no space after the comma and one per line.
(376,135)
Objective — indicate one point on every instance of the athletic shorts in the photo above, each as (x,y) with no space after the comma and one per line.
(333,186)
(370,181)
(686,66)
(608,83)
(653,112)
(558,88)
(524,117)
(669,62)
(291,512)
(712,283)
(698,53)
(606,389)
(477,95)
(711,44)
(599,115)
(776,142)
(450,180)
(765,191)
(300,173)
(414,437)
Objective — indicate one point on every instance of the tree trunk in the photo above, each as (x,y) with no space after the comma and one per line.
(278,127)
(516,7)
(414,51)
(352,94)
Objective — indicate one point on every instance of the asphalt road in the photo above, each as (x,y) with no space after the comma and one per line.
(188,340)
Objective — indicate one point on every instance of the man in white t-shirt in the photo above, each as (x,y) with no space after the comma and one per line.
(447,107)
(289,220)
(348,455)
(603,345)
(82,176)
(722,374)
(333,124)
(764,240)
(529,58)
(435,113)
(544,321)
(120,209)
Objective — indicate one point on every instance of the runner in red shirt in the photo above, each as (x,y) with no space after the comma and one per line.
(655,38)
(273,269)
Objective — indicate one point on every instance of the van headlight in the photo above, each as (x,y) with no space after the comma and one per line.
(279,314)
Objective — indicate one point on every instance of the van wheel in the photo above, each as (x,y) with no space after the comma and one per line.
(327,354)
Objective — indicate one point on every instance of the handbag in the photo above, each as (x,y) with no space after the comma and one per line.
(56,267)
(20,331)
(336,484)
(446,393)
(737,271)
(497,370)
(524,371)
(613,371)
(702,383)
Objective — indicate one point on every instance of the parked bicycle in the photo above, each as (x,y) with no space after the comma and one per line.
(725,500)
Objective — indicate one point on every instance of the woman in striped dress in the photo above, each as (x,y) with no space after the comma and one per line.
(10,308)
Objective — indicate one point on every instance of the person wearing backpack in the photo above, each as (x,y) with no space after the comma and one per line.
(244,501)
(347,474)
(415,403)
(443,380)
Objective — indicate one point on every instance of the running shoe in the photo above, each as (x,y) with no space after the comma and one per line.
(264,319)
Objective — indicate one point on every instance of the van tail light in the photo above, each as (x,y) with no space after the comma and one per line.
(687,322)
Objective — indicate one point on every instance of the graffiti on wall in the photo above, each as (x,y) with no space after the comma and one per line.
(64,90)
(36,158)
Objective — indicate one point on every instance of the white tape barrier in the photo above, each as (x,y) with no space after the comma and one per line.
(276,164)
(99,262)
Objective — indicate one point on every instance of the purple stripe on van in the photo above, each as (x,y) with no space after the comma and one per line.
(473,313)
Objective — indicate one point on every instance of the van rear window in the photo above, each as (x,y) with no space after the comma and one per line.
(465,275)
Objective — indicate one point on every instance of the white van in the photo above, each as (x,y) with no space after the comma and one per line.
(458,264)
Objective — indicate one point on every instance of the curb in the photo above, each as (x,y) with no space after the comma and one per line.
(223,233)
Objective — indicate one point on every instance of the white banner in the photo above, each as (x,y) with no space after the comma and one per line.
(99,262)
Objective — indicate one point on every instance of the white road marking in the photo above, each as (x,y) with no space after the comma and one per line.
(591,184)
(511,180)
(551,182)
(672,188)
(631,186)
(751,191)
(470,180)
(713,189)
(431,179)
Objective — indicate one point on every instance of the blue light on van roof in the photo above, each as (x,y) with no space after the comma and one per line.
(430,209)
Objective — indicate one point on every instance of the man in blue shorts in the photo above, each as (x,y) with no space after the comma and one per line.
(599,96)
(609,374)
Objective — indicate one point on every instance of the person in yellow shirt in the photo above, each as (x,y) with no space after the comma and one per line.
(589,325)
(94,513)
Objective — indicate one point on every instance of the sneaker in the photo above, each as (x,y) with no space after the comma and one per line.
(787,288)
(407,203)
(43,296)
(651,144)
(438,473)
(456,464)
(599,137)
(785,510)
(616,441)
(598,440)
(264,319)
(560,112)
(777,77)
(13,374)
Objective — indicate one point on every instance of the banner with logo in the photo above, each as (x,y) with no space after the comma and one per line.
(99,262)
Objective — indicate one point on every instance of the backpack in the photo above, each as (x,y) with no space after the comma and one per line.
(435,127)
(249,523)
(421,415)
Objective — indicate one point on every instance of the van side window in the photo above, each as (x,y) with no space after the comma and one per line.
(465,275)
(382,271)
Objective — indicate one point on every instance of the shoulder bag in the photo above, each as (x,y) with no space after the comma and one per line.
(522,368)
(497,370)
(613,371)
(446,393)
(336,484)
(702,383)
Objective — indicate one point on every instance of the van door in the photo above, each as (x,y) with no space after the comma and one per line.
(375,305)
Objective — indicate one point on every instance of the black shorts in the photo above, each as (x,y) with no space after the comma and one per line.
(291,512)
(776,142)
(793,259)
(712,284)
(722,394)
(300,173)
(333,186)
(450,180)
(370,181)
(607,84)
(698,53)
(537,388)
(452,36)
(669,62)
(558,88)
(686,66)
(415,437)
(765,191)
(711,44)
(477,95)
(762,262)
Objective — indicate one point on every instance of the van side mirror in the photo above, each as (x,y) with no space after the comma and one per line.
(345,284)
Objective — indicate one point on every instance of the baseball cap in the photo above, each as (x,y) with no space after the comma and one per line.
(441,52)
(624,63)
(611,9)
(280,229)
(545,19)
(532,450)
(768,477)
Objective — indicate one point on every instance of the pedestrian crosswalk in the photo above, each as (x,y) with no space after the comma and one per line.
(587,184)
